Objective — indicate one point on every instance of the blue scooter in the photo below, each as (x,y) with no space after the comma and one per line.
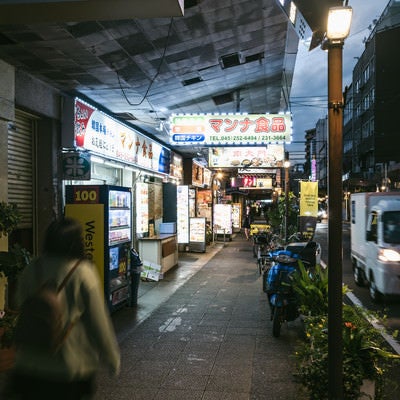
(281,296)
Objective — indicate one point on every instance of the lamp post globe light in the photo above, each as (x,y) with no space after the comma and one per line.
(338,28)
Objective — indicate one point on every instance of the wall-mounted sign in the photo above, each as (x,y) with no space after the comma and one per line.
(176,166)
(142,207)
(76,166)
(230,129)
(270,156)
(197,174)
(101,134)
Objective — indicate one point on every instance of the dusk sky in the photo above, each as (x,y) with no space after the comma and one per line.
(309,88)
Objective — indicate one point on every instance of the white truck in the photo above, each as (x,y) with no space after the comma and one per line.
(375,242)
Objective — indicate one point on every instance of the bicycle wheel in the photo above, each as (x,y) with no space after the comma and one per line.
(260,265)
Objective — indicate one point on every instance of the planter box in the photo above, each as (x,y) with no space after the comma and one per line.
(7,355)
(7,358)
(367,390)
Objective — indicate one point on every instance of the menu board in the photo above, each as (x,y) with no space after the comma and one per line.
(197,234)
(236,216)
(197,230)
(223,219)
(182,200)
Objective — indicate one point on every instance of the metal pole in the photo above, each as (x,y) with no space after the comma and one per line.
(286,202)
(335,149)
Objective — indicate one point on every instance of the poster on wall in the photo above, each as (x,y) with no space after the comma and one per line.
(142,208)
(182,203)
(176,166)
(204,204)
(197,175)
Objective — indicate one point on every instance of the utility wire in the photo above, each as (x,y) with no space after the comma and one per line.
(155,76)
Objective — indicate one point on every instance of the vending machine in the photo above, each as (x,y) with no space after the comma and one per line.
(105,213)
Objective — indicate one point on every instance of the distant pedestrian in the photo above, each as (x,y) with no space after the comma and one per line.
(70,373)
(248,219)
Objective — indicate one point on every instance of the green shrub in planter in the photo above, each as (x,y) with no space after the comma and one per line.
(9,218)
(311,288)
(364,356)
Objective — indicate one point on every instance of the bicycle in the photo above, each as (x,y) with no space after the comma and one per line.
(260,247)
(295,237)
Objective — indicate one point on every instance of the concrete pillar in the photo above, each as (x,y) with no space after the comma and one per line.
(7,114)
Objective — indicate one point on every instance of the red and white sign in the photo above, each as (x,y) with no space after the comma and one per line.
(97,132)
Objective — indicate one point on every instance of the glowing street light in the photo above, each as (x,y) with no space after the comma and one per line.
(338,28)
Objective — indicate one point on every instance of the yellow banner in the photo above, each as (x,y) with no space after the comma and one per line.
(91,217)
(308,199)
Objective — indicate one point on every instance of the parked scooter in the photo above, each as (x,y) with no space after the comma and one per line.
(281,296)
(278,280)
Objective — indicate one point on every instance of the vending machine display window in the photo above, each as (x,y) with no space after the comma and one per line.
(114,258)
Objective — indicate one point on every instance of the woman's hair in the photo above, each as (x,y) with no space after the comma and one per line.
(64,239)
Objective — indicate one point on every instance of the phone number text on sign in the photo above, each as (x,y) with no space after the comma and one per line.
(244,138)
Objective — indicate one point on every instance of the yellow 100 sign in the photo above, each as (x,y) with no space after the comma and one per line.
(86,194)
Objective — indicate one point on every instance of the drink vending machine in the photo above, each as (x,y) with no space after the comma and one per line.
(105,213)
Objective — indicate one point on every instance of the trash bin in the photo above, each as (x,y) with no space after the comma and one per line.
(135,270)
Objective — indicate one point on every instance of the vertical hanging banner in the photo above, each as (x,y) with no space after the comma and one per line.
(308,209)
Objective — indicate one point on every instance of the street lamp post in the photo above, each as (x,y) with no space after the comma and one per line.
(336,32)
(286,165)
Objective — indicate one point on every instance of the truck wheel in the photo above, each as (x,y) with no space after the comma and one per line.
(375,295)
(358,276)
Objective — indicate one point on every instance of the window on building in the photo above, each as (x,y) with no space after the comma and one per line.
(365,130)
(371,126)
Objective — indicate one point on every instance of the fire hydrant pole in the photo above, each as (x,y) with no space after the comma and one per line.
(335,151)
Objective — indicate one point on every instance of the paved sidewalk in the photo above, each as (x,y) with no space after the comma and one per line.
(204,332)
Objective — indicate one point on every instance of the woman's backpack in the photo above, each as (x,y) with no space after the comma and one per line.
(40,323)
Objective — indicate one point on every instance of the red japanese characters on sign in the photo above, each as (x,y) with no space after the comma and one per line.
(260,125)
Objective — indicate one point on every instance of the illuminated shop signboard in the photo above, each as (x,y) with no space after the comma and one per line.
(269,156)
(103,135)
(230,129)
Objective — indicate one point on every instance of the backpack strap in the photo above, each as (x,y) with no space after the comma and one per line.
(69,325)
(65,280)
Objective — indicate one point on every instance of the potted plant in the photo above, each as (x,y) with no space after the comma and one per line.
(12,262)
(9,218)
(8,320)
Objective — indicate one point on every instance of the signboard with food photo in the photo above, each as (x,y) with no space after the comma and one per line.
(270,156)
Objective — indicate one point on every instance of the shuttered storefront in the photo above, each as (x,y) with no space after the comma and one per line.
(20,167)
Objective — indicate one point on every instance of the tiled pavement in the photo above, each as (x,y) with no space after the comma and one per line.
(204,332)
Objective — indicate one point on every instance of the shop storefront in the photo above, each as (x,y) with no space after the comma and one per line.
(101,152)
